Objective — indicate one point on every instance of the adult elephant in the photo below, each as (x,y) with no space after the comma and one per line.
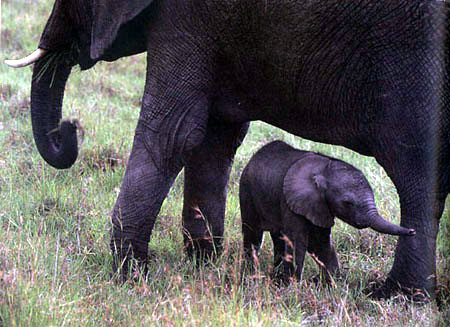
(372,76)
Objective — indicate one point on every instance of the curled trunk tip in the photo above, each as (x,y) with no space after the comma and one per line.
(55,139)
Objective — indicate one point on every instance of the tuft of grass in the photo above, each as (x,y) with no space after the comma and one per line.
(53,59)
(55,263)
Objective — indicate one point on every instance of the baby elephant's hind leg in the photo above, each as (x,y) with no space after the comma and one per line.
(252,233)
(321,247)
(278,254)
(252,242)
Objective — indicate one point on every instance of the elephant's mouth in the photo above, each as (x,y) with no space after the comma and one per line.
(361,225)
(355,222)
(67,56)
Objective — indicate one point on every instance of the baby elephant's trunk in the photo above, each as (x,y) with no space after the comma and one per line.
(380,225)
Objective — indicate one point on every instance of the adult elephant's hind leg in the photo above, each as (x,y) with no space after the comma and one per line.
(422,200)
(414,269)
(207,170)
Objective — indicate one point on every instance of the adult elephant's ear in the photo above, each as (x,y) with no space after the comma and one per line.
(108,17)
(304,189)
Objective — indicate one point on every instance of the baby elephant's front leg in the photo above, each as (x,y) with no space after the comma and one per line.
(294,255)
(321,247)
(295,236)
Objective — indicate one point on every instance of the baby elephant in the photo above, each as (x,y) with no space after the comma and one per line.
(296,195)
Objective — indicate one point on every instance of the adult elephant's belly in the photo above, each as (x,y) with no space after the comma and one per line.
(340,117)
(325,129)
(315,125)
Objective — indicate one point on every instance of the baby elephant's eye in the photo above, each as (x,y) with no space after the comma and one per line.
(348,204)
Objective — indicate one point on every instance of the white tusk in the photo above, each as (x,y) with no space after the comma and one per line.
(35,56)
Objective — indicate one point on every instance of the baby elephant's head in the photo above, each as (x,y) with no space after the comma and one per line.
(321,188)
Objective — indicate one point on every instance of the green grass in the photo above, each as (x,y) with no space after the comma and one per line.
(55,262)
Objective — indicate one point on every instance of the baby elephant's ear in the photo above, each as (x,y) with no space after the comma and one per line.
(304,189)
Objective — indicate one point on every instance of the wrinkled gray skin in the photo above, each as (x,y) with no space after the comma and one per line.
(368,75)
(296,195)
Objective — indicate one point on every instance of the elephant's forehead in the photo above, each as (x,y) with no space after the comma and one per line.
(345,178)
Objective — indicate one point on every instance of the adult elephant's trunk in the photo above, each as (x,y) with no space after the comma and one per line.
(55,140)
(380,225)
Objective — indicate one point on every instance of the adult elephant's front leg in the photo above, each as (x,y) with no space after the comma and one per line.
(155,160)
(143,190)
(172,123)
(207,170)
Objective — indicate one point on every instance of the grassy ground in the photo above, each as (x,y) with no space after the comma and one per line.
(54,225)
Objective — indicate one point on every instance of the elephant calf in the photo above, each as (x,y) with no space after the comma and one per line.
(296,195)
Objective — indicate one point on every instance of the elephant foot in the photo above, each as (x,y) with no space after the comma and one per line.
(323,280)
(202,249)
(130,263)
(391,289)
(130,271)
(279,281)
